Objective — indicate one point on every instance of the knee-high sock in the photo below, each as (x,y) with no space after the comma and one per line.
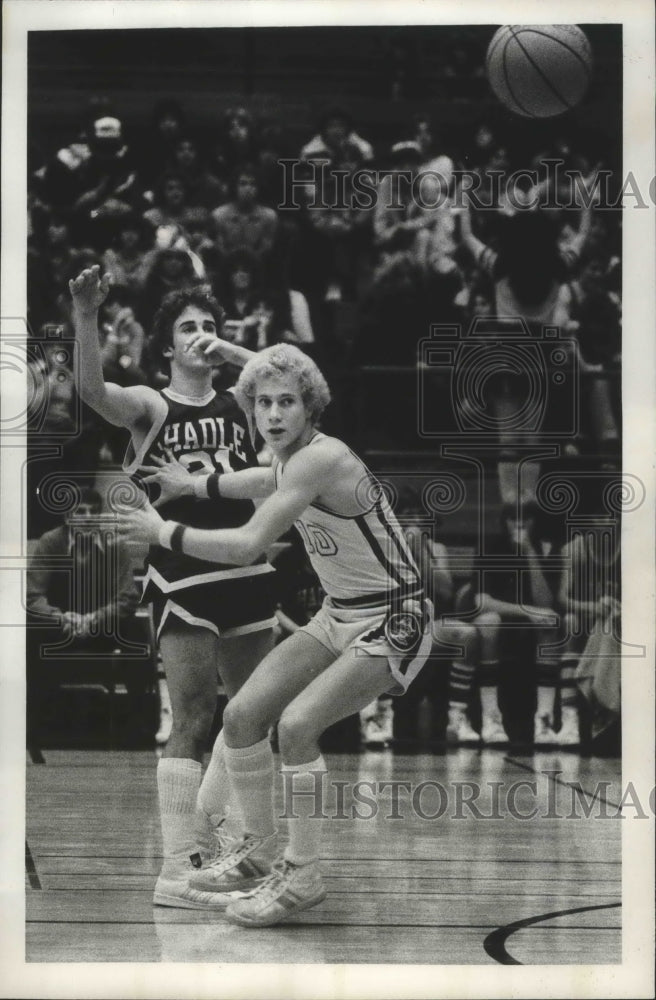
(461,676)
(215,799)
(303,790)
(252,781)
(178,781)
(568,683)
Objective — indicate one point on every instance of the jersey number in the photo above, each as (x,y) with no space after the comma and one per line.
(317,540)
(201,461)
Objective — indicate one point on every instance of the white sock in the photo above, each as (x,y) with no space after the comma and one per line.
(489,701)
(178,781)
(546,701)
(368,712)
(303,784)
(251,778)
(214,796)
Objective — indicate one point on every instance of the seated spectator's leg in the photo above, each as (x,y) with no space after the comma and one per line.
(548,670)
(492,730)
(461,677)
(569,732)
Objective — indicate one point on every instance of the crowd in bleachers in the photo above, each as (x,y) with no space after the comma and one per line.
(286,247)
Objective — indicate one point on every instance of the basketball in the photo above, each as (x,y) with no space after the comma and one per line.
(539,70)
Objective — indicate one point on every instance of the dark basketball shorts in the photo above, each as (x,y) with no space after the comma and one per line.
(228,607)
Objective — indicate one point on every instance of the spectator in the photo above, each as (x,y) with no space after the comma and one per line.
(122,338)
(171,270)
(259,316)
(244,223)
(129,260)
(594,321)
(472,638)
(56,182)
(520,621)
(339,228)
(81,596)
(108,183)
(236,146)
(401,225)
(590,601)
(337,140)
(77,604)
(157,150)
(172,214)
(203,188)
(51,255)
(528,270)
(58,414)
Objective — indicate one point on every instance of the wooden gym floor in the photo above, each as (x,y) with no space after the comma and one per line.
(455,889)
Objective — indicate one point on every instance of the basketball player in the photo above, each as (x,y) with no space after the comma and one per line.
(371,635)
(207,617)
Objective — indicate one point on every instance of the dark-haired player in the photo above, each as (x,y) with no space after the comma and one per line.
(207,616)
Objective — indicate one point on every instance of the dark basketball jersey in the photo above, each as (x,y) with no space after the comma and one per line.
(205,435)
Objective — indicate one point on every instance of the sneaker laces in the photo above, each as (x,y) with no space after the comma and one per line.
(236,851)
(267,890)
(224,842)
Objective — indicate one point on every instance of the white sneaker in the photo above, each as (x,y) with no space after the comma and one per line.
(569,735)
(241,868)
(459,729)
(543,731)
(378,729)
(288,889)
(165,725)
(173,889)
(492,730)
(333,293)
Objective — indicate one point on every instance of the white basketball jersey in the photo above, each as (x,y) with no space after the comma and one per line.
(362,560)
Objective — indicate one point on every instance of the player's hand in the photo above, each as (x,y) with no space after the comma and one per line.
(209,345)
(72,623)
(140,525)
(89,290)
(171,476)
(608,605)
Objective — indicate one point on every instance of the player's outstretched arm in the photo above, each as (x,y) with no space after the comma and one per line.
(306,475)
(121,406)
(175,480)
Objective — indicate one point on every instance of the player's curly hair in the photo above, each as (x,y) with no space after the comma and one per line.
(170,308)
(281,360)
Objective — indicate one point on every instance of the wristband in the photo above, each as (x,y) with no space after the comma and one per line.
(176,538)
(212,486)
(170,536)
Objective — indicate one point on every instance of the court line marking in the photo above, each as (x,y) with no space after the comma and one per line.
(557,781)
(495,943)
(30,868)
